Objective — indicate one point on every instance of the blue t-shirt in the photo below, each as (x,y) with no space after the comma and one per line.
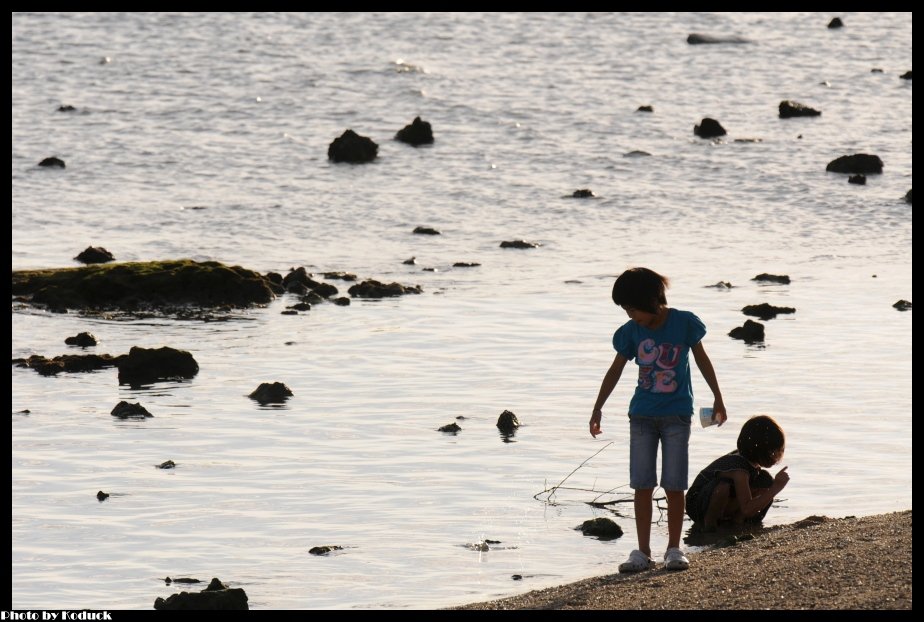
(663,359)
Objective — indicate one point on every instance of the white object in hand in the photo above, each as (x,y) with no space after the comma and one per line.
(705,417)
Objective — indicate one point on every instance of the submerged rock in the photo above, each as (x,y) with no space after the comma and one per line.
(751,332)
(95,254)
(426,231)
(772,278)
(417,133)
(102,496)
(906,75)
(602,528)
(324,550)
(275,393)
(519,244)
(700,39)
(856,163)
(451,428)
(68,363)
(353,148)
(343,276)
(836,23)
(217,596)
(153,284)
(644,109)
(146,365)
(721,285)
(766,311)
(169,464)
(168,580)
(789,109)
(507,422)
(66,108)
(903,305)
(859,180)
(374,289)
(908,197)
(465,264)
(125,410)
(583,193)
(709,128)
(52,162)
(84,340)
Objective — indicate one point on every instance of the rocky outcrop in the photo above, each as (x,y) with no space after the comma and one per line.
(217,596)
(789,109)
(417,133)
(426,231)
(751,332)
(709,128)
(903,305)
(146,365)
(353,148)
(68,363)
(859,180)
(583,193)
(95,254)
(836,23)
(507,422)
(52,162)
(376,289)
(906,75)
(519,244)
(451,428)
(856,163)
(145,285)
(602,528)
(125,410)
(908,196)
(644,109)
(701,39)
(271,393)
(83,340)
(766,311)
(324,550)
(465,264)
(772,278)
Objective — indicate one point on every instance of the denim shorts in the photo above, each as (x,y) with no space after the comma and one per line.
(645,433)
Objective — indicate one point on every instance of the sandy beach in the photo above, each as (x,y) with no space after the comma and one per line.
(815,563)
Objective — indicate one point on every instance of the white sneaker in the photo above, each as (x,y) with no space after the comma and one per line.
(674,559)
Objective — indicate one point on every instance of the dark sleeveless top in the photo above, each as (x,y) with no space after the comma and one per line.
(728,462)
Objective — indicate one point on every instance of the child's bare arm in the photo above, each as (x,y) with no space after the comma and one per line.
(752,505)
(706,369)
(606,387)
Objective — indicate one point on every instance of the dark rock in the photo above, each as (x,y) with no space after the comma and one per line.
(860,180)
(274,277)
(908,197)
(52,162)
(766,311)
(772,278)
(353,148)
(68,362)
(638,153)
(856,163)
(66,108)
(507,422)
(465,264)
(217,596)
(519,244)
(275,393)
(903,305)
(906,75)
(170,464)
(602,528)
(84,340)
(644,109)
(721,285)
(700,39)
(751,332)
(325,290)
(789,109)
(312,298)
(452,428)
(430,269)
(324,550)
(343,276)
(517,577)
(375,289)
(836,23)
(410,262)
(300,276)
(709,128)
(146,365)
(875,70)
(168,580)
(583,193)
(343,301)
(288,312)
(124,410)
(417,133)
(301,306)
(128,286)
(749,140)
(426,231)
(102,496)
(299,289)
(95,254)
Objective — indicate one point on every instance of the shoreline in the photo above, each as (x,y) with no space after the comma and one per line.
(815,563)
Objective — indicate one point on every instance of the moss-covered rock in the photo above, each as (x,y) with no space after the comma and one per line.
(133,286)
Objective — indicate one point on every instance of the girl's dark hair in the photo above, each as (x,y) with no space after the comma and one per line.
(762,441)
(640,288)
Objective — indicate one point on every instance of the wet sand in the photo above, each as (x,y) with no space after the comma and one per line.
(815,563)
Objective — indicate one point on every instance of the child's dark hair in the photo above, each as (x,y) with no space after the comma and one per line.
(640,288)
(762,441)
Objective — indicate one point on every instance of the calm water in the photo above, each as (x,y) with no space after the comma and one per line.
(232,114)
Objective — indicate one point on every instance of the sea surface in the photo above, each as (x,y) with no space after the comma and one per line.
(205,136)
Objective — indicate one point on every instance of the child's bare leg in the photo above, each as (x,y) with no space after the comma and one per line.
(717,503)
(675,506)
(643,519)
